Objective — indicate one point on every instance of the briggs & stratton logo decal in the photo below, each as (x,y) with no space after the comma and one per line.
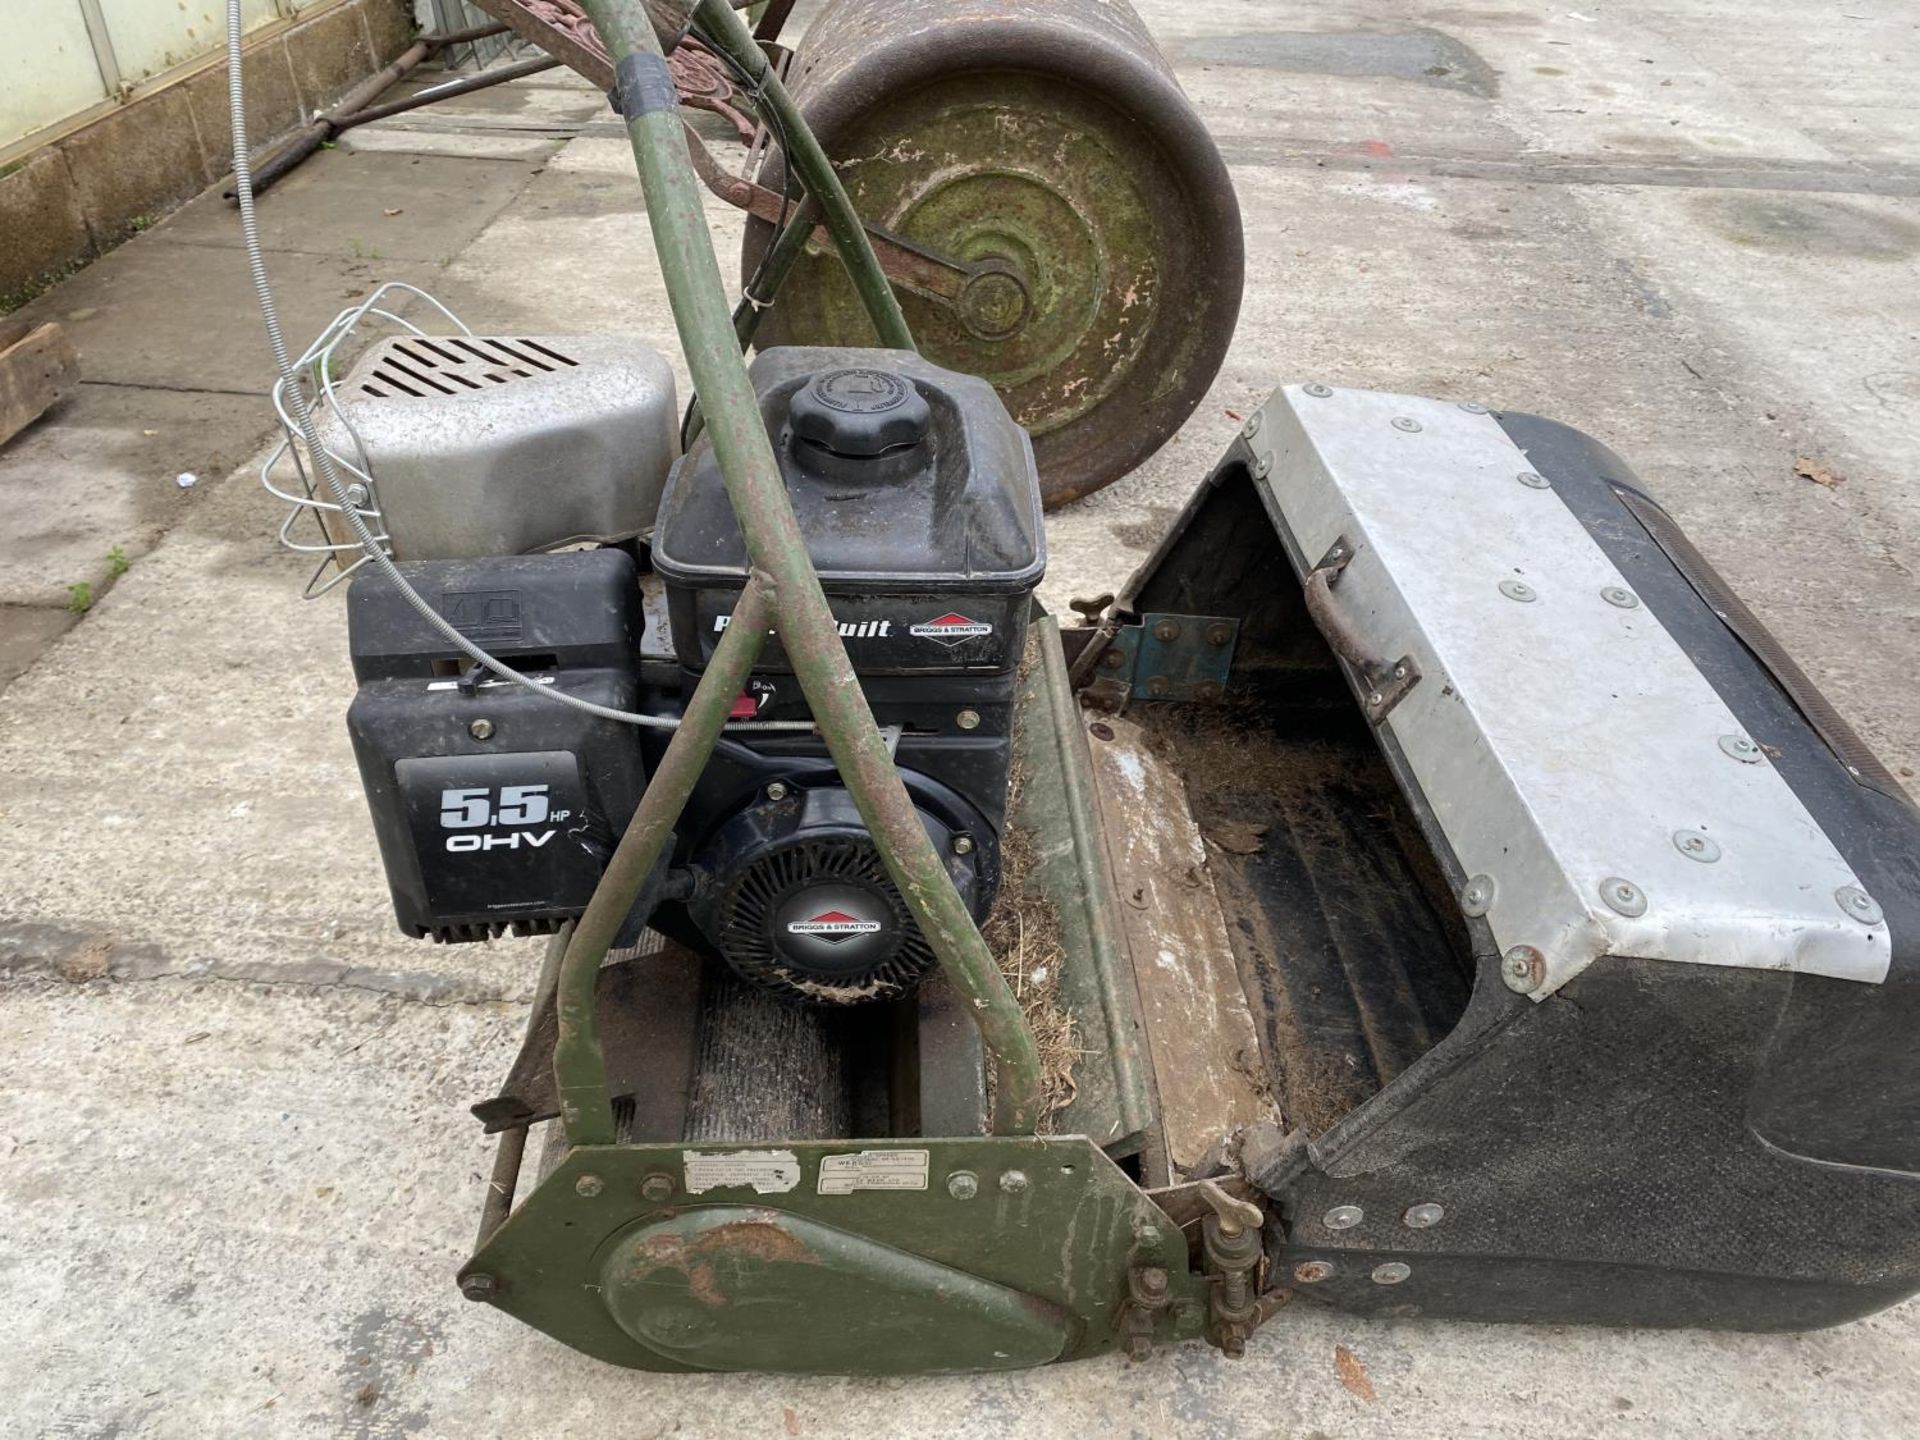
(833,926)
(950,630)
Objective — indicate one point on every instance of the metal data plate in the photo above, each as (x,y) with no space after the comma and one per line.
(1597,791)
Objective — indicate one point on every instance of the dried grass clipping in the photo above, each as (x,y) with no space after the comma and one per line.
(1023,932)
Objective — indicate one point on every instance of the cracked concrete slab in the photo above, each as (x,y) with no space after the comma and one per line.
(365,205)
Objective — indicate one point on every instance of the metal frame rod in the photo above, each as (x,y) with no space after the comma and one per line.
(761,291)
(446,90)
(579,1069)
(782,574)
(725,32)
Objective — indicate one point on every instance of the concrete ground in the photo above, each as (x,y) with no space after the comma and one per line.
(238,1172)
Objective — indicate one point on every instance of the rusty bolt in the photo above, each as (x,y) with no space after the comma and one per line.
(1100,730)
(478,1286)
(1312,1272)
(588,1186)
(1233,1341)
(1219,633)
(1113,659)
(656,1188)
(1139,1348)
(1153,1281)
(481,729)
(1158,685)
(1167,631)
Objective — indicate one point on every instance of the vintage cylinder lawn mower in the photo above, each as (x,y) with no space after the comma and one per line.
(1422,890)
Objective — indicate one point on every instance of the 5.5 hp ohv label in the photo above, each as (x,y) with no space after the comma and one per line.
(873,1170)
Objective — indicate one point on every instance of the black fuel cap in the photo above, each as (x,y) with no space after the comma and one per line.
(860,412)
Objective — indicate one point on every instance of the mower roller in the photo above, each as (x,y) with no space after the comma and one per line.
(1424,890)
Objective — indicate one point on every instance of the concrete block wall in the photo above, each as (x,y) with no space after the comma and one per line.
(78,196)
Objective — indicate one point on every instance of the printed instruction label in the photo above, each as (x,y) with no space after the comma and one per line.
(874,1170)
(767,1172)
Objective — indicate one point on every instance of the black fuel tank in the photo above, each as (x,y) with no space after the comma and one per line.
(918,498)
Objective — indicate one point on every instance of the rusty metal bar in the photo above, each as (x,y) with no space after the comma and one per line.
(910,266)
(808,630)
(509,1155)
(726,34)
(465,85)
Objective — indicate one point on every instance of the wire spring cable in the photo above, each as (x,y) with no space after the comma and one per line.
(295,398)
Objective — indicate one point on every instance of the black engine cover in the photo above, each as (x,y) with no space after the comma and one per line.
(495,808)
(794,894)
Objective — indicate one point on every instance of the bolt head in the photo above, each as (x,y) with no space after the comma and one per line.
(1113,659)
(1219,633)
(1533,481)
(1167,631)
(1317,390)
(963,1185)
(1312,1272)
(1139,1348)
(1406,424)
(657,1188)
(1697,845)
(1623,897)
(481,729)
(1859,904)
(1207,690)
(1158,685)
(1013,1182)
(1519,590)
(1741,749)
(1473,407)
(588,1186)
(963,844)
(1254,422)
(1374,697)
(356,495)
(1343,1217)
(968,719)
(1391,1273)
(1524,969)
(1620,597)
(1153,1280)
(1476,897)
(778,791)
(1423,1217)
(478,1286)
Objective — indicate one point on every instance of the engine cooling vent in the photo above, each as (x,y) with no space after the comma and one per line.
(819,919)
(419,367)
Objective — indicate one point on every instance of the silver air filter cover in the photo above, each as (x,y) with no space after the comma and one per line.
(495,445)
